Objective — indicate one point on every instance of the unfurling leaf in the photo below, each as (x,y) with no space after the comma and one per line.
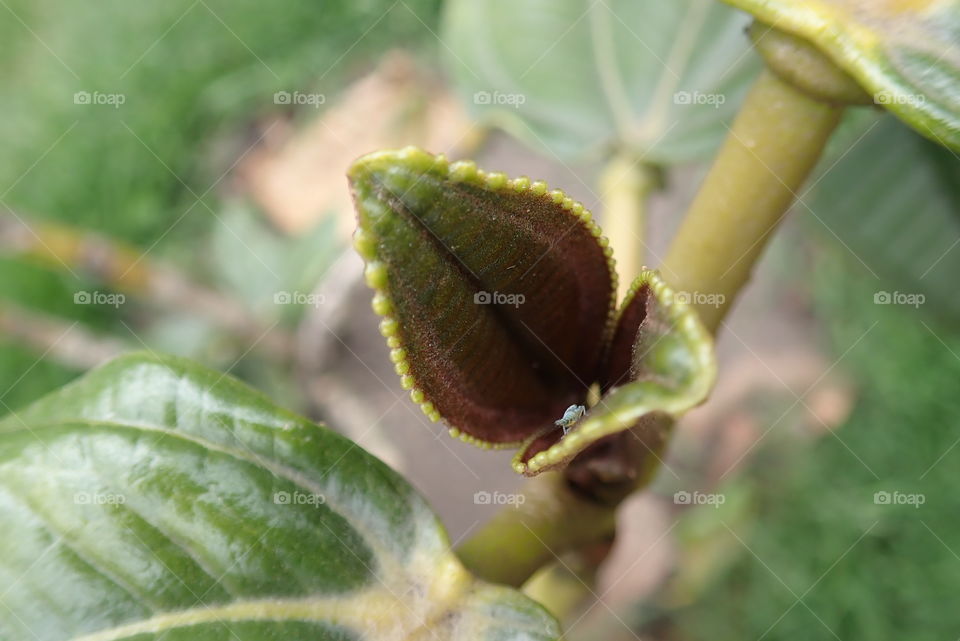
(660,363)
(498,300)
(903,52)
(154,499)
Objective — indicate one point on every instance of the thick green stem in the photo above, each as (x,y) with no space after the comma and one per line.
(551,521)
(774,143)
(566,585)
(560,589)
(625,185)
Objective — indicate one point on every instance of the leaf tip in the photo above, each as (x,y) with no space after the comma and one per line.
(379,162)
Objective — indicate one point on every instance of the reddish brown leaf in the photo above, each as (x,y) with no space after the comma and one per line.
(497,293)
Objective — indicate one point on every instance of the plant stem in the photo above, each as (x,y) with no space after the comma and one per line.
(559,589)
(551,521)
(565,586)
(773,145)
(625,185)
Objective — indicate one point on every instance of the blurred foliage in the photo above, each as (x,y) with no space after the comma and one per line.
(664,80)
(278,265)
(863,570)
(877,171)
(22,376)
(657,79)
(188,71)
(195,75)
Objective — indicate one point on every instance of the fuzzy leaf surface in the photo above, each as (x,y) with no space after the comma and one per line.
(497,293)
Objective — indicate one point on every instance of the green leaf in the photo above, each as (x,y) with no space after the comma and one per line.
(904,52)
(894,199)
(155,499)
(660,364)
(498,294)
(569,76)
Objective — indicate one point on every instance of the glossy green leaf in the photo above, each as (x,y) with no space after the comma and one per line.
(572,77)
(894,199)
(660,364)
(497,293)
(154,499)
(904,52)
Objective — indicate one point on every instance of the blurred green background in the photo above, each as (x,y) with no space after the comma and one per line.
(196,76)
(815,556)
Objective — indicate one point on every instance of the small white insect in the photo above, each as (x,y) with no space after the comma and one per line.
(570,417)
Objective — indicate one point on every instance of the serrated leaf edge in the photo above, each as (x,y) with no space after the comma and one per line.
(377,277)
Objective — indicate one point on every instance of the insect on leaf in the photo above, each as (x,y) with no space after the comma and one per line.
(660,362)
